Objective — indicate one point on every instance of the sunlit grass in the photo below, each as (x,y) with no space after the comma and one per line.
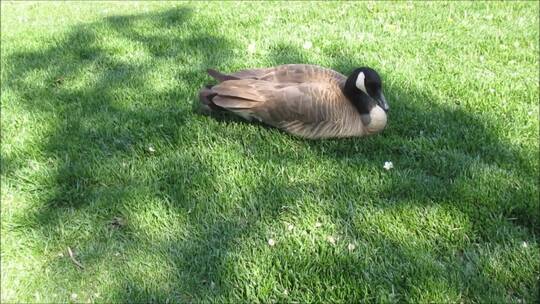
(104,153)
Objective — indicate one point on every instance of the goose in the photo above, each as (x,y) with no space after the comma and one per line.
(305,100)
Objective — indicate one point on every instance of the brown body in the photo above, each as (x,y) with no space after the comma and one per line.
(304,100)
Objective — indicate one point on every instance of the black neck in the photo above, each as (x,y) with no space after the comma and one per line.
(358,98)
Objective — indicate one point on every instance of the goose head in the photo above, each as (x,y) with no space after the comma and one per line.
(364,89)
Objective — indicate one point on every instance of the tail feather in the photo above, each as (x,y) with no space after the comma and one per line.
(233,103)
(220,76)
(206,96)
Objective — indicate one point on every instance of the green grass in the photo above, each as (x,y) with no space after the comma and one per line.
(88,88)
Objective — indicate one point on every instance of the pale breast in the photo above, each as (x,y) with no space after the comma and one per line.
(377,120)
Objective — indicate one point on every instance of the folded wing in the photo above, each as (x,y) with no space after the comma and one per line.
(287,73)
(308,109)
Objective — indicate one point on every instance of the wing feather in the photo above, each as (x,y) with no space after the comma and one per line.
(291,73)
(303,100)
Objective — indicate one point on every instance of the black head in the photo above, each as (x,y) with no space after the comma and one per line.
(364,89)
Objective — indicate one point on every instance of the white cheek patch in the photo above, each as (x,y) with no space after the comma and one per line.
(360,82)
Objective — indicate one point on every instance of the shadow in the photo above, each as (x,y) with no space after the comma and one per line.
(106,125)
(444,143)
(108,118)
(450,159)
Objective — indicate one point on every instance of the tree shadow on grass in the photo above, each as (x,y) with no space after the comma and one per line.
(446,144)
(451,149)
(104,124)
(106,130)
(447,159)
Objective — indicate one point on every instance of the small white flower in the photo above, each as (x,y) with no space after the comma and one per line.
(290,227)
(251,48)
(492,90)
(351,247)
(317,225)
(73,296)
(524,245)
(97,294)
(271,242)
(117,254)
(388,165)
(151,149)
(307,45)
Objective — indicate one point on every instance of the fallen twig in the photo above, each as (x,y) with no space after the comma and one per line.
(73,259)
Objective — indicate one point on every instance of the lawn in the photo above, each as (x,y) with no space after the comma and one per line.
(104,153)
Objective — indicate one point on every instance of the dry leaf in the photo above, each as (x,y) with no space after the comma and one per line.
(117,222)
(332,240)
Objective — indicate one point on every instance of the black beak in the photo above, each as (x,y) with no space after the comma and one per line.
(381,101)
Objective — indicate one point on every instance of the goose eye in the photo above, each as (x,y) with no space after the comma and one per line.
(373,88)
